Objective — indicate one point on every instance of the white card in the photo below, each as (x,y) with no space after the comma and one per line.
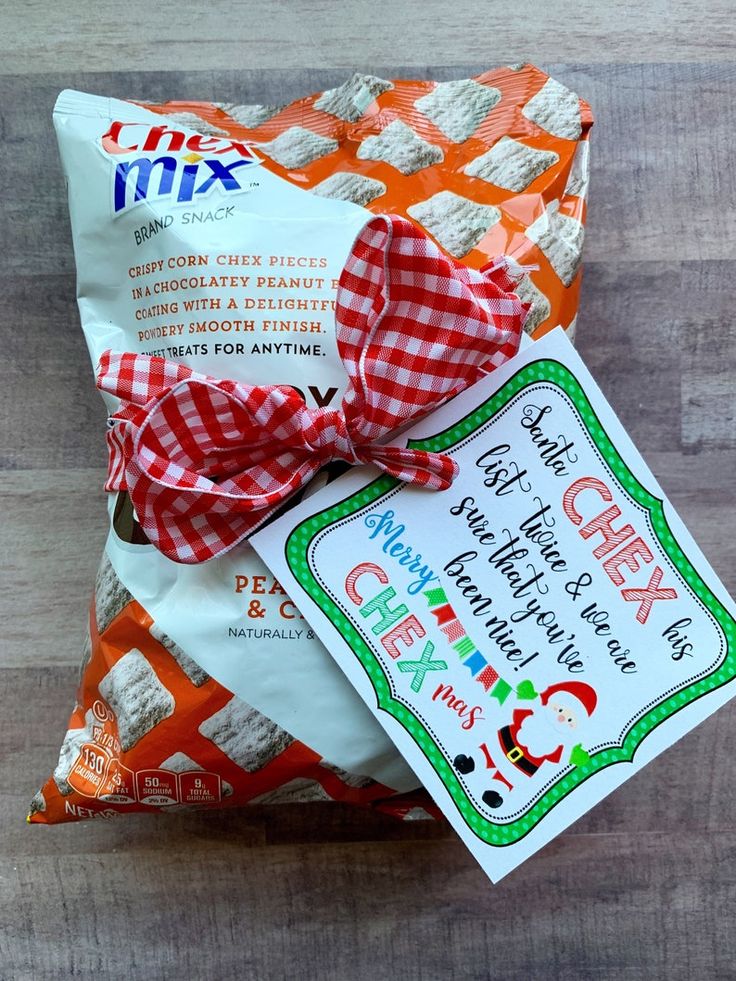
(534,635)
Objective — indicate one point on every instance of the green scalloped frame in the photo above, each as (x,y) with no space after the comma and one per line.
(297,556)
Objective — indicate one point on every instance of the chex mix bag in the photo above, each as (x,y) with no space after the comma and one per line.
(270,294)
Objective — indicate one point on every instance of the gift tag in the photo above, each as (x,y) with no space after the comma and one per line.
(534,635)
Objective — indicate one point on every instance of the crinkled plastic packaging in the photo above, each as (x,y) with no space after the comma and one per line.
(214,235)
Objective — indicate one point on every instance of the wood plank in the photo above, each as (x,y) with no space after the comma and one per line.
(607,907)
(658,337)
(300,34)
(66,424)
(661,170)
(52,535)
(323,870)
(709,360)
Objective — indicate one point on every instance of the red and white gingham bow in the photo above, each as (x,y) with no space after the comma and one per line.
(207,460)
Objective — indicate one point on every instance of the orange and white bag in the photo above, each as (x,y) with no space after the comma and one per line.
(214,235)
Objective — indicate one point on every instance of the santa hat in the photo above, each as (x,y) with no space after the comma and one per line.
(578,689)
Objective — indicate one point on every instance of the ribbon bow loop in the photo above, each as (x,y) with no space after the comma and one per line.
(206,461)
(416,327)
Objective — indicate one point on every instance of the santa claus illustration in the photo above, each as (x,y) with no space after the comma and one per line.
(546,733)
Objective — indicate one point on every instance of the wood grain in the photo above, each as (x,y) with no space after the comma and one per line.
(40,38)
(365,911)
(642,886)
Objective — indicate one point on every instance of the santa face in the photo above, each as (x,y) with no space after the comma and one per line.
(564,714)
(548,728)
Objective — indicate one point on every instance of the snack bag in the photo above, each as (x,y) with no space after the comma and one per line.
(214,237)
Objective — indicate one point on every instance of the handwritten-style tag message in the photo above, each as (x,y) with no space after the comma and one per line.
(531,637)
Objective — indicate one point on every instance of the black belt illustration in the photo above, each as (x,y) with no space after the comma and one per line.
(515,753)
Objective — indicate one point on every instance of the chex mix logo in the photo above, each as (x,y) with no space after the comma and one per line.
(159,162)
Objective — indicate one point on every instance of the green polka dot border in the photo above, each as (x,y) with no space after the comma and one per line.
(297,554)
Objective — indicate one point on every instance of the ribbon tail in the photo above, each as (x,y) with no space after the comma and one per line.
(192,528)
(116,452)
(190,518)
(136,378)
(434,470)
(183,541)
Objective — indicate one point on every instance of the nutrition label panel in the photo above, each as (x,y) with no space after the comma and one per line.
(97,773)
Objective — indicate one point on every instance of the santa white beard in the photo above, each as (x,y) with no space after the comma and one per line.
(541,734)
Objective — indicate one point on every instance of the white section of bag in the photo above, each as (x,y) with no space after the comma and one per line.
(291,679)
(275,219)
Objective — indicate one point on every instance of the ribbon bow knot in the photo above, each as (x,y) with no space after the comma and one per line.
(326,435)
(206,460)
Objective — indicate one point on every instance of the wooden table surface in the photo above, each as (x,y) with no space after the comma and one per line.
(644,886)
